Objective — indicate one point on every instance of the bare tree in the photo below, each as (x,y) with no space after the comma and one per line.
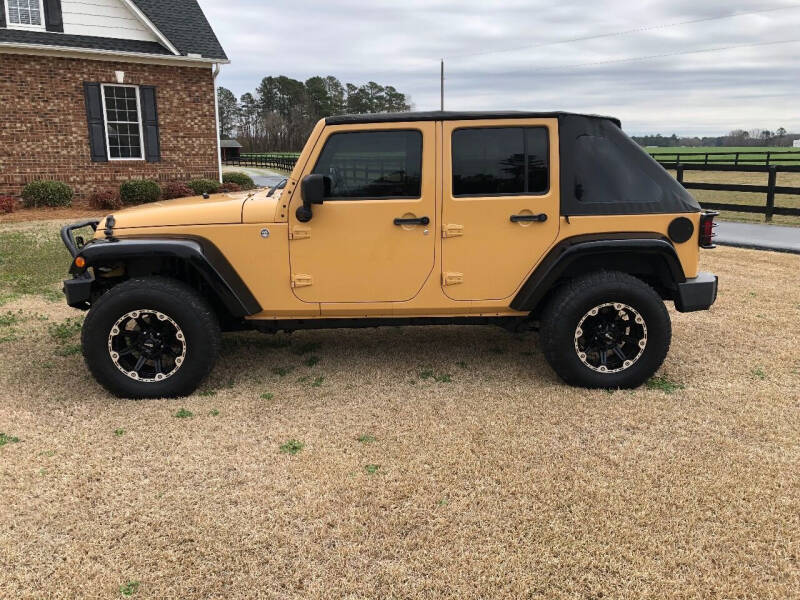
(228,112)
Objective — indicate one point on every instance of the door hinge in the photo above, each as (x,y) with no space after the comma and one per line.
(452,278)
(452,230)
(301,280)
(300,233)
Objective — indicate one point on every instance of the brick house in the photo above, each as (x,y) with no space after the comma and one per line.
(95,92)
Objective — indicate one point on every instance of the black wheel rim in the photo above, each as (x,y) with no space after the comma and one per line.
(611,337)
(147,345)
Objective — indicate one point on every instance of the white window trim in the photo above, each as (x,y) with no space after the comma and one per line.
(103,87)
(11,25)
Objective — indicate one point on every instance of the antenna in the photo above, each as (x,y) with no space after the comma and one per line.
(442,84)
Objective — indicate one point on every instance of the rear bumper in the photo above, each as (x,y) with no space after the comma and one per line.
(698,293)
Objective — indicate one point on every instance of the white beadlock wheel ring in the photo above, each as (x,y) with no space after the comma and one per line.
(134,324)
(610,337)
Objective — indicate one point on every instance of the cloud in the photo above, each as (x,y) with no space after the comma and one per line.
(506,55)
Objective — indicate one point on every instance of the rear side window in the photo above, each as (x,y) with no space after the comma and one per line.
(607,175)
(500,161)
(373,164)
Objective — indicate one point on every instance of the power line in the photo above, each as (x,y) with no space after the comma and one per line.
(621,33)
(652,56)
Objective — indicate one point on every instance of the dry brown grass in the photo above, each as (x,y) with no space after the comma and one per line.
(78,210)
(502,483)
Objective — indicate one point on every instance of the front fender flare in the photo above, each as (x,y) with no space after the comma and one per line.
(199,253)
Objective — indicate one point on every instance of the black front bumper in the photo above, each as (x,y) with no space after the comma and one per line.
(698,293)
(79,291)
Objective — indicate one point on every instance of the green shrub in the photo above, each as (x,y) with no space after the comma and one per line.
(204,186)
(139,191)
(243,180)
(47,193)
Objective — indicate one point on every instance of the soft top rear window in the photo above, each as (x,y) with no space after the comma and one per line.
(604,172)
(604,176)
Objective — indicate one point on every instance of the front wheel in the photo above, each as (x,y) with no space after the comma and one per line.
(150,338)
(606,330)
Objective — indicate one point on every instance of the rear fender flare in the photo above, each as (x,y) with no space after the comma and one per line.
(569,252)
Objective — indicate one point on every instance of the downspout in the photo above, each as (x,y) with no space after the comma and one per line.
(217,68)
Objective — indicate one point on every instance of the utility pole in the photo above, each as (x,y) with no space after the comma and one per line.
(442,84)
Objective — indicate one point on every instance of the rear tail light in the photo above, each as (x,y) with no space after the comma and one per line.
(707,227)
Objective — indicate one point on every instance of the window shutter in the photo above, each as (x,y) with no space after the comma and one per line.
(152,144)
(52,16)
(2,14)
(94,117)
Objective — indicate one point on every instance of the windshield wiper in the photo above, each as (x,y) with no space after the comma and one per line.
(280,186)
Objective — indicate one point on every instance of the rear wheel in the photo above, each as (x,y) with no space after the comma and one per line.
(606,330)
(150,338)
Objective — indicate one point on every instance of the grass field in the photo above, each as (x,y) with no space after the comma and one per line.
(441,462)
(727,154)
(270,154)
(784,179)
(727,177)
(732,149)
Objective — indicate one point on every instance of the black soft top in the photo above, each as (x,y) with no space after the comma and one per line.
(603,171)
(449,115)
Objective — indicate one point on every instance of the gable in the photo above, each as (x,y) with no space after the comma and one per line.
(104,18)
(184,24)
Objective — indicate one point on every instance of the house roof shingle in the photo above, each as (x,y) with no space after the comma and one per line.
(86,42)
(182,22)
(185,25)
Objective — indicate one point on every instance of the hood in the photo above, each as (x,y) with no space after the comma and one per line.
(219,208)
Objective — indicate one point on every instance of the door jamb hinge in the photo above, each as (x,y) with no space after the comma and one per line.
(451,278)
(301,280)
(300,233)
(452,230)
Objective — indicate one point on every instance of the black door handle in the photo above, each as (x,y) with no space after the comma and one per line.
(415,221)
(529,218)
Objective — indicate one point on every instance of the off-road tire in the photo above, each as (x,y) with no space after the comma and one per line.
(562,316)
(170,298)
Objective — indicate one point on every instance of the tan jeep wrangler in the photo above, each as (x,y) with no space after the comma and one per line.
(552,221)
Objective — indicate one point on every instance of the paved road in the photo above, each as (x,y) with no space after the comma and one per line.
(762,237)
(261,177)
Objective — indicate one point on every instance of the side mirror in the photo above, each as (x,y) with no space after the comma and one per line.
(313,188)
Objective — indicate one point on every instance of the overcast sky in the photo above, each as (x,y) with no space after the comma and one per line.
(511,54)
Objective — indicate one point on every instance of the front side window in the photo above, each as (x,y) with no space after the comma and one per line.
(373,164)
(123,122)
(25,13)
(499,161)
